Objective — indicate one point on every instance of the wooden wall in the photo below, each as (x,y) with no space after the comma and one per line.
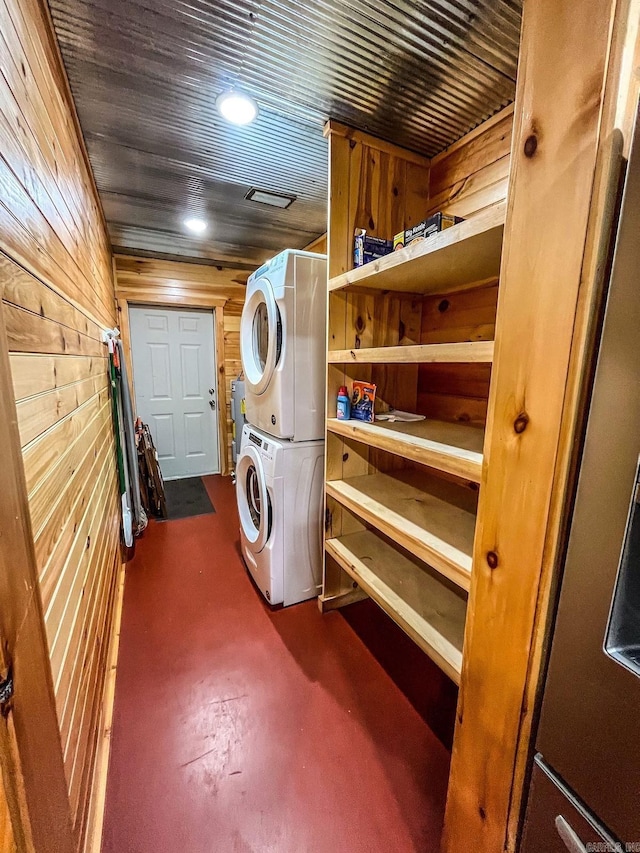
(473,173)
(319,245)
(59,369)
(232,362)
(57,284)
(159,282)
(465,179)
(7,843)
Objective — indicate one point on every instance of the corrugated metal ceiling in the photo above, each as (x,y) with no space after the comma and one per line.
(145,75)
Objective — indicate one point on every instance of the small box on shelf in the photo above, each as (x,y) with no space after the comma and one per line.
(432,225)
(363,397)
(366,248)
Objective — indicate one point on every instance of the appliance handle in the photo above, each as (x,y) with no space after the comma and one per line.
(569,836)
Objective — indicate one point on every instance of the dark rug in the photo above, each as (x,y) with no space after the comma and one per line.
(186,498)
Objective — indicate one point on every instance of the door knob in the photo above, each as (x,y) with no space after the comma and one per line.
(212,403)
(212,391)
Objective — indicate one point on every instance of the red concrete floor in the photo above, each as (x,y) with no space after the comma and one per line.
(240,728)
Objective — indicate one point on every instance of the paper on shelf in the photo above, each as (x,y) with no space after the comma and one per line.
(395,415)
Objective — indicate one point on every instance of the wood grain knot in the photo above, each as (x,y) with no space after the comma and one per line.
(492,559)
(443,306)
(482,812)
(530,145)
(345,456)
(520,423)
(360,325)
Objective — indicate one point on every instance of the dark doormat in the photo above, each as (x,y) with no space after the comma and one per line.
(186,498)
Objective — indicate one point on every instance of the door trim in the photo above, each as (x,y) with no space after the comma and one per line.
(203,303)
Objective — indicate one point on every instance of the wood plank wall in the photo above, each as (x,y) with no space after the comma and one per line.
(232,362)
(7,842)
(172,283)
(57,280)
(319,245)
(465,179)
(473,173)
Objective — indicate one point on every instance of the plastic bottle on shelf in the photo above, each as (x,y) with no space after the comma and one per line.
(344,404)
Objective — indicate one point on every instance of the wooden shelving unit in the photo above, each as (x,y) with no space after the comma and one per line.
(431,614)
(404,509)
(464,352)
(420,324)
(386,324)
(455,258)
(452,448)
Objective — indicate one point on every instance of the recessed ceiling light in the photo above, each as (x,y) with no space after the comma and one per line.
(198,226)
(281,200)
(237,107)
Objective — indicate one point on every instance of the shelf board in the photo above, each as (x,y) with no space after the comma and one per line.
(448,261)
(453,448)
(428,611)
(435,530)
(465,352)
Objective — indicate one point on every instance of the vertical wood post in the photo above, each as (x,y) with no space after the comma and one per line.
(558,122)
(221,387)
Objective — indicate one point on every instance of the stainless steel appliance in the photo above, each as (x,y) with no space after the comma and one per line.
(585,791)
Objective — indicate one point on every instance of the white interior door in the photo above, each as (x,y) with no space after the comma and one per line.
(175,373)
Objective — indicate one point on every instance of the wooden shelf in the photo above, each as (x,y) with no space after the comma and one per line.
(448,261)
(427,610)
(437,531)
(453,448)
(466,352)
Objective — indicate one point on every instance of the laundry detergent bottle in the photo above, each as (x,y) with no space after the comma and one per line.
(344,404)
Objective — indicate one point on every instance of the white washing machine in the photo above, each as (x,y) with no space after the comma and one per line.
(280,503)
(283,343)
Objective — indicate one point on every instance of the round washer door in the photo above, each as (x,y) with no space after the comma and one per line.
(254,503)
(260,337)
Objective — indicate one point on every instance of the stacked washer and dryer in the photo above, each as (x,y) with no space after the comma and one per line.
(280,466)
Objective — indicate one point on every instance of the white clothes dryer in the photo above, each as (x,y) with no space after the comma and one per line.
(283,343)
(279,489)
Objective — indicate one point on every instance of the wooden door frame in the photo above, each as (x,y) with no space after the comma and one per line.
(202,303)
(30,745)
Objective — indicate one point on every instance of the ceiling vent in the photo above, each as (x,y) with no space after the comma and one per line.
(273,199)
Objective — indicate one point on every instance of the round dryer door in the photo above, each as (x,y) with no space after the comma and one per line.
(254,503)
(260,337)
